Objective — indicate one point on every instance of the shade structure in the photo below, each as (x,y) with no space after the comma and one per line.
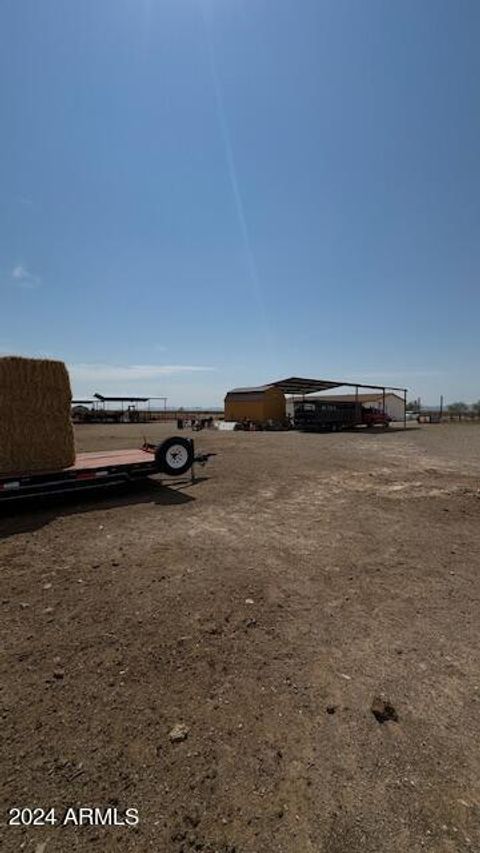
(298,385)
(301,386)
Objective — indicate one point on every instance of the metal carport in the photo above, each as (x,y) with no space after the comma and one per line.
(298,385)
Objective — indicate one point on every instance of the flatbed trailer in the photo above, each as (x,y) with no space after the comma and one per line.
(173,457)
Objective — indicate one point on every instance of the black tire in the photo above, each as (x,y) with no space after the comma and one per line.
(174,456)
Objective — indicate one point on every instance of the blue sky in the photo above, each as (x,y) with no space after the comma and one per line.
(197,195)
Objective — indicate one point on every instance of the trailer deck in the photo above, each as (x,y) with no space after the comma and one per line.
(98,469)
(107,459)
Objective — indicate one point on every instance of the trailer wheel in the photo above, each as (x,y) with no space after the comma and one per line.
(174,456)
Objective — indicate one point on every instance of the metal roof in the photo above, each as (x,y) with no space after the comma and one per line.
(290,386)
(121,399)
(252,390)
(298,385)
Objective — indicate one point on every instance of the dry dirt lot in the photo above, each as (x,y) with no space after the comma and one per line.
(263,608)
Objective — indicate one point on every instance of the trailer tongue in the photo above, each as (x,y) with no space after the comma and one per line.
(173,458)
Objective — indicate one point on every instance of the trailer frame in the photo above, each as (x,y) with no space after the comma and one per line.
(95,470)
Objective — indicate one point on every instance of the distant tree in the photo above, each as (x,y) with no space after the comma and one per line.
(413,406)
(458,408)
(476,407)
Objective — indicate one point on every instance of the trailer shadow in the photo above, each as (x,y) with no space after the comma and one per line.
(376,431)
(29,515)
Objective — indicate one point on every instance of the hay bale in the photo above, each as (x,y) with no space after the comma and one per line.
(36,432)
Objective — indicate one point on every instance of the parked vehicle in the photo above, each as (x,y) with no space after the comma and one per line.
(375,417)
(318,415)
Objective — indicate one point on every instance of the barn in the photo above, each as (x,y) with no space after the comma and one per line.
(260,404)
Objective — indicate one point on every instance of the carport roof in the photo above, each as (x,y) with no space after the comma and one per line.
(298,385)
(121,399)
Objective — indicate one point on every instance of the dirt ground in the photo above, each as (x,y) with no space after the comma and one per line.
(263,608)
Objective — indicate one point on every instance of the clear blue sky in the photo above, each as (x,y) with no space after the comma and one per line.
(258,187)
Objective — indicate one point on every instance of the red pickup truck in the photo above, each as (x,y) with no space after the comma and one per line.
(375,417)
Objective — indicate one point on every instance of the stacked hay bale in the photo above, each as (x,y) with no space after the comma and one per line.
(36,432)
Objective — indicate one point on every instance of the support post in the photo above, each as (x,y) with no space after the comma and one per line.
(192,469)
(404,408)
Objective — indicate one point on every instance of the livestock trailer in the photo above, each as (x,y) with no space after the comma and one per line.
(318,415)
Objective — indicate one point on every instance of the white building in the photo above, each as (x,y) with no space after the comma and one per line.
(394,405)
